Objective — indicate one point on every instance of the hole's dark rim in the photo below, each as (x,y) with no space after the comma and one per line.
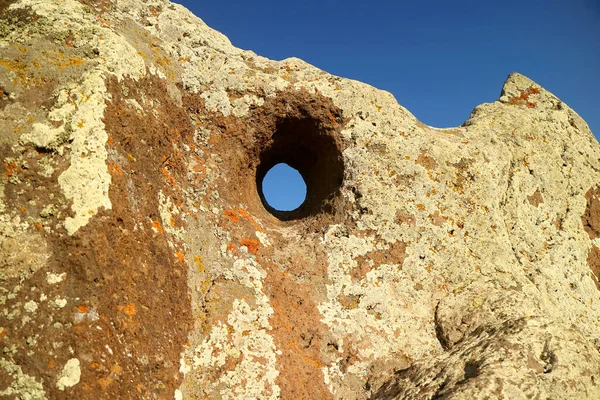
(313,148)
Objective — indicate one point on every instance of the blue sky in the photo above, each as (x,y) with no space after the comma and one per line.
(438,58)
(283,188)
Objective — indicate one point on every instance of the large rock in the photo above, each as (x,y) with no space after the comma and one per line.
(138,258)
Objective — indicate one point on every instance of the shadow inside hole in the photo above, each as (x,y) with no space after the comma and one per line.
(314,153)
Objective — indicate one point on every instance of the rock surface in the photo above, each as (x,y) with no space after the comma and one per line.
(139,260)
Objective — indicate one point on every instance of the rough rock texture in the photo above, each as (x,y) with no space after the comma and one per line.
(138,258)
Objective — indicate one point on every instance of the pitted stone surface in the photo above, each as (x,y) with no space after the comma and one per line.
(137,259)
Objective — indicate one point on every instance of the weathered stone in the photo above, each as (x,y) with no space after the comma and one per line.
(138,258)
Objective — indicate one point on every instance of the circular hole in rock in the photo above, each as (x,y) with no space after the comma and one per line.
(284,188)
(313,150)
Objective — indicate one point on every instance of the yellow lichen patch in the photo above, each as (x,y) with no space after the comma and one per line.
(199,264)
(60,60)
(21,72)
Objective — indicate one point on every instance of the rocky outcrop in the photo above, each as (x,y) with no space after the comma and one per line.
(138,258)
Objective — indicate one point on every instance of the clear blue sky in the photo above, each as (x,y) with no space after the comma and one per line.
(438,58)
(283,188)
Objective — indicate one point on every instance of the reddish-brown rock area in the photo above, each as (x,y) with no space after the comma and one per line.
(139,258)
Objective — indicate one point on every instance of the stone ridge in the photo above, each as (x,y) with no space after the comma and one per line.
(138,260)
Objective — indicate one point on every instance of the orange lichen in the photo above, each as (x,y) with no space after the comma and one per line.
(523,98)
(251,244)
(232,215)
(249,218)
(11,169)
(232,248)
(168,178)
(157,227)
(114,169)
(82,308)
(180,256)
(103,22)
(307,358)
(94,365)
(313,361)
(104,382)
(128,310)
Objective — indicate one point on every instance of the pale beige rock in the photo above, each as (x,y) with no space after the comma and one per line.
(427,263)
